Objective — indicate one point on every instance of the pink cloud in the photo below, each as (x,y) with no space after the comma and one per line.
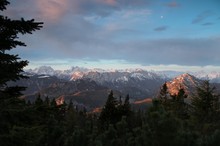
(110,2)
(52,9)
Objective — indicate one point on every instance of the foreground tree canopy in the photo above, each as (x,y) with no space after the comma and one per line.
(11,66)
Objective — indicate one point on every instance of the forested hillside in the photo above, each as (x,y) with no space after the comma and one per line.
(169,121)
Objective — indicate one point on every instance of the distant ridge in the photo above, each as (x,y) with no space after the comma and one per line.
(76,72)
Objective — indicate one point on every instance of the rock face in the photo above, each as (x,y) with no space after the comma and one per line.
(185,81)
(90,89)
(138,83)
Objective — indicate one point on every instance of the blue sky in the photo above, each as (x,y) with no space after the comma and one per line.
(151,34)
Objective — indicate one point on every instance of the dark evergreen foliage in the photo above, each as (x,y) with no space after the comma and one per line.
(205,109)
(205,103)
(113,111)
(50,124)
(11,66)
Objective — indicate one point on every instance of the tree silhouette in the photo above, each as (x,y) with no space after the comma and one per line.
(109,112)
(205,103)
(126,107)
(11,65)
(164,96)
(13,111)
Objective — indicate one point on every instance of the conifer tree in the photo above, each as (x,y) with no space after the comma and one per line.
(205,103)
(13,111)
(164,97)
(11,66)
(47,101)
(38,101)
(163,92)
(178,105)
(127,106)
(109,111)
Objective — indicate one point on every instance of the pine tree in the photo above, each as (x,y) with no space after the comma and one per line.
(179,106)
(174,103)
(164,97)
(12,70)
(127,106)
(38,101)
(47,101)
(163,94)
(70,106)
(13,111)
(205,104)
(11,65)
(109,113)
(163,125)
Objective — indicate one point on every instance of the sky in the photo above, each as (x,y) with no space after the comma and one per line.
(181,35)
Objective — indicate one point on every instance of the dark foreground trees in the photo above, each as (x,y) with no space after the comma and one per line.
(13,113)
(113,111)
(199,119)
(10,65)
(45,123)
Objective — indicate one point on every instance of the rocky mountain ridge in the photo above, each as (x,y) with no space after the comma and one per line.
(185,81)
(75,73)
(90,88)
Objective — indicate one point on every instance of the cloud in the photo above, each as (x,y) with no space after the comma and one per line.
(55,8)
(181,51)
(207,24)
(104,8)
(52,9)
(161,28)
(108,30)
(135,13)
(176,51)
(202,16)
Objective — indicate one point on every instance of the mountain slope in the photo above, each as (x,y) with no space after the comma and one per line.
(138,83)
(185,81)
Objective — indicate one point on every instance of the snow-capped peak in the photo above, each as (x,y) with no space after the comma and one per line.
(76,75)
(186,81)
(46,70)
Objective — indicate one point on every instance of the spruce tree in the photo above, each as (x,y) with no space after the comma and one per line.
(11,66)
(109,112)
(13,111)
(127,106)
(164,97)
(178,105)
(205,103)
(163,94)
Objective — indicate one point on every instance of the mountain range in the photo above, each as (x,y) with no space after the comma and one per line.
(79,72)
(90,87)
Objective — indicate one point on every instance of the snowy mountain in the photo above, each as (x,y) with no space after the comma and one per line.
(136,82)
(75,73)
(186,81)
(62,74)
(46,70)
(214,76)
(90,87)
